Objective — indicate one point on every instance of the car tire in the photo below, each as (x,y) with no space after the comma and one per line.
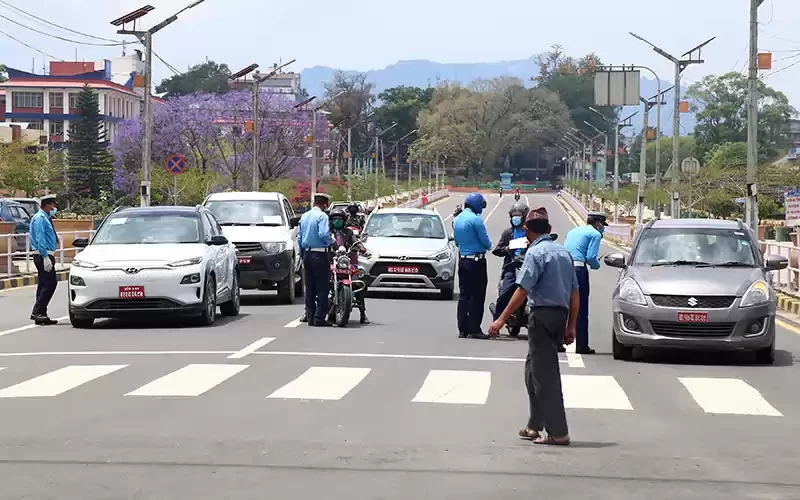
(286,289)
(209,313)
(80,322)
(232,307)
(620,351)
(299,284)
(766,356)
(447,293)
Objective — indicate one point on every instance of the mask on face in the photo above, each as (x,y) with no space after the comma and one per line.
(516,220)
(602,229)
(53,212)
(338,223)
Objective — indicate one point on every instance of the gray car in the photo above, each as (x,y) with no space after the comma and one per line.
(695,284)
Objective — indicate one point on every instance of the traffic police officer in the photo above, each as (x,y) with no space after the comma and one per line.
(583,243)
(43,244)
(473,242)
(313,238)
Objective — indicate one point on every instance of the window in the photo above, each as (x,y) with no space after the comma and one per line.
(3,102)
(247,212)
(400,225)
(215,229)
(56,127)
(73,100)
(28,99)
(149,229)
(36,125)
(694,246)
(289,209)
(56,100)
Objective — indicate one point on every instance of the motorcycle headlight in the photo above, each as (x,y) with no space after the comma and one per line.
(442,256)
(273,247)
(343,262)
(631,292)
(186,262)
(758,293)
(83,264)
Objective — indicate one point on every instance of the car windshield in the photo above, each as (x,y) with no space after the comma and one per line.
(127,229)
(396,225)
(247,212)
(30,206)
(694,247)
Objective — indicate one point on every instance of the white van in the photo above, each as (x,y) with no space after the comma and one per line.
(263,226)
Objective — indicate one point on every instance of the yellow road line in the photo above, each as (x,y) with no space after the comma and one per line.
(787,326)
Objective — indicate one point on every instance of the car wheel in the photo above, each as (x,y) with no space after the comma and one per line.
(446,293)
(298,286)
(80,322)
(286,288)
(231,308)
(620,351)
(209,313)
(766,356)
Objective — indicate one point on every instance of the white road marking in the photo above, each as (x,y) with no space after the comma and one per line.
(574,360)
(492,211)
(598,392)
(730,396)
(58,381)
(105,353)
(29,327)
(191,380)
(455,387)
(293,324)
(2,367)
(258,344)
(322,382)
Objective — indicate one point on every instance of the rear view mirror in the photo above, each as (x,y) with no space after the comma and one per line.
(775,262)
(294,222)
(80,242)
(615,260)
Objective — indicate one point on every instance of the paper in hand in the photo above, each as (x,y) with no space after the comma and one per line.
(518,243)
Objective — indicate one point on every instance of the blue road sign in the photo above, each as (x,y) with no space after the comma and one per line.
(176,164)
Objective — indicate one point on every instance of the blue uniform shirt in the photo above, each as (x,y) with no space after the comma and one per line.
(547,274)
(470,233)
(42,234)
(314,230)
(583,243)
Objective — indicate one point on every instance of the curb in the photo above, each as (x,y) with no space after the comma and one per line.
(575,219)
(788,304)
(20,281)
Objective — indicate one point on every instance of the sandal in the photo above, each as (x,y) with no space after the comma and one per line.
(529,434)
(552,441)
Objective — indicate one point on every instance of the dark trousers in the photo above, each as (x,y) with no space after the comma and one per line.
(582,327)
(472,282)
(507,288)
(546,328)
(46,285)
(318,283)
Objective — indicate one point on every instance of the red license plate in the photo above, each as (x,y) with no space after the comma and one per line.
(131,292)
(245,260)
(403,270)
(692,317)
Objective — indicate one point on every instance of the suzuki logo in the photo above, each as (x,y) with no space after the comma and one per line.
(131,270)
(692,301)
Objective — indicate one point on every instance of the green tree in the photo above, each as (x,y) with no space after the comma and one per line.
(90,161)
(208,77)
(3,73)
(349,101)
(402,105)
(720,104)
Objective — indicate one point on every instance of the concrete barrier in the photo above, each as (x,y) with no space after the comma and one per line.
(417,203)
(617,232)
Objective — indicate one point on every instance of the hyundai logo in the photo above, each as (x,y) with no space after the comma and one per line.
(402,258)
(692,301)
(132,270)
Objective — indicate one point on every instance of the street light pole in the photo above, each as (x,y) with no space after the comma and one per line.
(350,164)
(618,124)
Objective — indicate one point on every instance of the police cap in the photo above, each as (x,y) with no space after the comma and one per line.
(594,217)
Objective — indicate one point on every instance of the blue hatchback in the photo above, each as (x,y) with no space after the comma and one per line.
(11,211)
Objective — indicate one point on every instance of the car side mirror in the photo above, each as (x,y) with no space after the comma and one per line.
(615,260)
(294,222)
(775,262)
(451,238)
(218,241)
(80,242)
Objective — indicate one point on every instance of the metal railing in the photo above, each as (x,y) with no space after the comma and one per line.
(785,279)
(416,203)
(23,252)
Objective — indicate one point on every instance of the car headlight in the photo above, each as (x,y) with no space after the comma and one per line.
(442,256)
(631,292)
(186,262)
(274,246)
(758,293)
(84,264)
(343,262)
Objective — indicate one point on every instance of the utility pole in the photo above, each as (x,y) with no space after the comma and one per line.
(350,164)
(751,199)
(618,124)
(648,105)
(257,134)
(680,65)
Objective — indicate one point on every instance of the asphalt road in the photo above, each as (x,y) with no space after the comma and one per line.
(397,409)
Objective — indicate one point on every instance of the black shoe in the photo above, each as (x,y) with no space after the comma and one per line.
(364,320)
(479,335)
(45,321)
(322,323)
(586,350)
(304,318)
(462,335)
(562,349)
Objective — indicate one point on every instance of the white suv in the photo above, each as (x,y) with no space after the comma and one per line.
(172,260)
(263,227)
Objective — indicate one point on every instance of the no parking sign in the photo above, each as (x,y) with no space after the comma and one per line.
(176,164)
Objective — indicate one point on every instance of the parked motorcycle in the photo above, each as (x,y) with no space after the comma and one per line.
(345,289)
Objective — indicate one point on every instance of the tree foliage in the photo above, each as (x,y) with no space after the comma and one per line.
(402,105)
(350,100)
(207,77)
(22,169)
(3,77)
(90,162)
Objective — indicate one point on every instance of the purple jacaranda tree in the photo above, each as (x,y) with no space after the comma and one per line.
(210,130)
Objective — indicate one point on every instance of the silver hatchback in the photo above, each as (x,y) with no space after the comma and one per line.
(695,284)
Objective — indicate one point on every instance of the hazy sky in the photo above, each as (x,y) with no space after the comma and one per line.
(363,35)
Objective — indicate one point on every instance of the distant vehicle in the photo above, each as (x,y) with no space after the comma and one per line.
(171,260)
(263,227)
(15,212)
(31,205)
(408,248)
(695,284)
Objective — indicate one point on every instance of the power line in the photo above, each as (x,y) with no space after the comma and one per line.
(782,69)
(30,47)
(168,65)
(54,24)
(60,37)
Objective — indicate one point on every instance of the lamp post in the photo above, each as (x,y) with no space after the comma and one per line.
(377,157)
(146,37)
(313,137)
(618,124)
(397,163)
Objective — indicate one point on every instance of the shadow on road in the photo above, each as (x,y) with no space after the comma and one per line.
(681,357)
(161,323)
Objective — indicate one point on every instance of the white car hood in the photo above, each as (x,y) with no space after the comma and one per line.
(141,255)
(256,234)
(406,247)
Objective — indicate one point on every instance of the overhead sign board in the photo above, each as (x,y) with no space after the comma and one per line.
(617,88)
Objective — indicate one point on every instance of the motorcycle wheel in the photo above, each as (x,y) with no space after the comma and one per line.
(344,304)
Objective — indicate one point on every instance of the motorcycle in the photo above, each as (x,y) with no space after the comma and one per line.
(516,196)
(344,288)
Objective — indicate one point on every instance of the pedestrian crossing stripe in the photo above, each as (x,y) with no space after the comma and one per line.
(719,396)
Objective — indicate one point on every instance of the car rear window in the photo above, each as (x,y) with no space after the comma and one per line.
(398,225)
(706,245)
(247,212)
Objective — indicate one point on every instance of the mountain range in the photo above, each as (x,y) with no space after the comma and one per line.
(424,73)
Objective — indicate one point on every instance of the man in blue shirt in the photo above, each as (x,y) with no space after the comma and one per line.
(583,243)
(313,239)
(548,282)
(517,214)
(43,244)
(473,242)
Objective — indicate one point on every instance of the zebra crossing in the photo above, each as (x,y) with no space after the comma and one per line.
(714,396)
